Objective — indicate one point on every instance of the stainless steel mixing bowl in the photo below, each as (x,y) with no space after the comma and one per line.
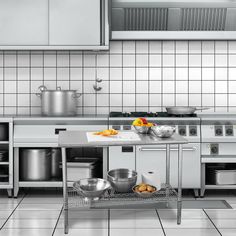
(142,129)
(92,188)
(164,131)
(122,180)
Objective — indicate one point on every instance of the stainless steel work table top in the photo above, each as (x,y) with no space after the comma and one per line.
(79,139)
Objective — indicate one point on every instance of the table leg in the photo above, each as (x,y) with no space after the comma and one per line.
(65,193)
(167,174)
(179,200)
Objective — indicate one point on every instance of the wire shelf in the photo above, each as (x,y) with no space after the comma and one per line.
(112,199)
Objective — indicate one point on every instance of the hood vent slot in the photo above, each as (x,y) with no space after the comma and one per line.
(145,19)
(203,19)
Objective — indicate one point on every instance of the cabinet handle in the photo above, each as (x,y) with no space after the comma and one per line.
(103,15)
(57,131)
(164,149)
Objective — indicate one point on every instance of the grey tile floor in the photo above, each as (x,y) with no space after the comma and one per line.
(39,213)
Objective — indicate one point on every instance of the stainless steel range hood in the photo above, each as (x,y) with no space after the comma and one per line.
(173,20)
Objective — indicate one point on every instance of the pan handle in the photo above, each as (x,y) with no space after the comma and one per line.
(203,108)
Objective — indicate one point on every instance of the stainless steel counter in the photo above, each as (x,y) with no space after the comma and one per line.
(79,139)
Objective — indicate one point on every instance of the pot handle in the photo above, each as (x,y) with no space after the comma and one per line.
(41,88)
(77,95)
(38,95)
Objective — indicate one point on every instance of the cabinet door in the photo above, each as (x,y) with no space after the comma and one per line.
(149,159)
(23,22)
(74,22)
(122,157)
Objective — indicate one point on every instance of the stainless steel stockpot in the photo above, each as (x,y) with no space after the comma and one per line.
(35,164)
(58,102)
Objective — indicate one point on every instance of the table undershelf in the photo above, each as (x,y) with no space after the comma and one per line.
(113,200)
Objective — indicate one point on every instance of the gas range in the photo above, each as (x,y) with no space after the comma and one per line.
(187,126)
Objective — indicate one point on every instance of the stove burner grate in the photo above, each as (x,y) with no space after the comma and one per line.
(147,114)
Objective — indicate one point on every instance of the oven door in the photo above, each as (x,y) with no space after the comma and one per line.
(153,158)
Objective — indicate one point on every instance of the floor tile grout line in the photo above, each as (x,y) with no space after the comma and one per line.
(57,220)
(212,222)
(160,222)
(13,211)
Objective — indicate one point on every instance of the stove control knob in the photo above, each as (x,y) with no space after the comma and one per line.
(116,127)
(182,130)
(218,130)
(192,130)
(126,127)
(214,149)
(229,130)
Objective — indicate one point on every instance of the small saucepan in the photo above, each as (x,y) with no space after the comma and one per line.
(181,110)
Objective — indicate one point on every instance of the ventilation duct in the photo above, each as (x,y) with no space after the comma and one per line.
(173,20)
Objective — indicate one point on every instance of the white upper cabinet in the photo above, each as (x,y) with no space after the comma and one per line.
(54,24)
(23,22)
(74,22)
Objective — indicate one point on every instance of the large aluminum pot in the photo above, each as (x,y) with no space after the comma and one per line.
(58,102)
(35,164)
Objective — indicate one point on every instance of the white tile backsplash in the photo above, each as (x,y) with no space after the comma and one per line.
(63,73)
(128,47)
(129,87)
(155,47)
(137,75)
(10,86)
(142,74)
(76,60)
(116,60)
(63,59)
(128,60)
(168,60)
(23,59)
(9,73)
(50,73)
(10,59)
(128,73)
(36,60)
(181,60)
(221,60)
(142,47)
(155,60)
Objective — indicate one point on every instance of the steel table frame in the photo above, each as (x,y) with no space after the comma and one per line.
(105,152)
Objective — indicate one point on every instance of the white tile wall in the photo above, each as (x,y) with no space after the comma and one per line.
(137,75)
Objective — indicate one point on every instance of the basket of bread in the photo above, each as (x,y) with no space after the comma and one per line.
(144,190)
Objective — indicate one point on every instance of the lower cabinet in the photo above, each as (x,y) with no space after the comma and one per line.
(153,158)
(121,157)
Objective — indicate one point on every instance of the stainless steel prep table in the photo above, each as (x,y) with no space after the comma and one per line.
(73,139)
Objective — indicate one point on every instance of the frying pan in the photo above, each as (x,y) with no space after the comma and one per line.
(183,110)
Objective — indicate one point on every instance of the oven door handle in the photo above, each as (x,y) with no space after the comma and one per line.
(164,149)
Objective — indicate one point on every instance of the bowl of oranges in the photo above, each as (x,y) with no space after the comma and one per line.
(142,126)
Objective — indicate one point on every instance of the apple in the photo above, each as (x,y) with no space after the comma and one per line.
(144,121)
